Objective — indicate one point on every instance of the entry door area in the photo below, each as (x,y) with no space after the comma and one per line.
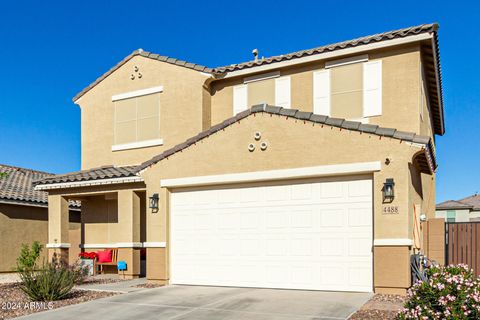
(314,236)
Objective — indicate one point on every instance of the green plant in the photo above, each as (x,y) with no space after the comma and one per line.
(54,281)
(27,260)
(451,292)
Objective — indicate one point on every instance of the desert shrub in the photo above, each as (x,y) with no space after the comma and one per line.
(28,258)
(53,281)
(451,292)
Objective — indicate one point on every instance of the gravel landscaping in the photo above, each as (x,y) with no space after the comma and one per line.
(101,280)
(14,303)
(380,306)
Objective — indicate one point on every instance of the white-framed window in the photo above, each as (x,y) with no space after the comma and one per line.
(136,119)
(350,89)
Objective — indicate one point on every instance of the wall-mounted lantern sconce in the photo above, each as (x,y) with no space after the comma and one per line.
(388,190)
(154,202)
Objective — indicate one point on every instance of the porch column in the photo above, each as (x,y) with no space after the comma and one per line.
(58,222)
(157,254)
(129,238)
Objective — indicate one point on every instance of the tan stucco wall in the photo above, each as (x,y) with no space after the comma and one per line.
(114,220)
(401,85)
(181,110)
(23,225)
(292,143)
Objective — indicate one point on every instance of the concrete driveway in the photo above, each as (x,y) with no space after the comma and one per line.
(212,303)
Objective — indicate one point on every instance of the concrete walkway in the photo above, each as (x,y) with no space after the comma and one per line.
(214,303)
(124,286)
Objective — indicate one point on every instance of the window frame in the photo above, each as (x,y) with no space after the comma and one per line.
(135,95)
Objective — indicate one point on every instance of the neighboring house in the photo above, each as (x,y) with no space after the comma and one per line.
(463,210)
(24,215)
(176,160)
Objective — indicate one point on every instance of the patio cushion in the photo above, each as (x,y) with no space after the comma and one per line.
(104,256)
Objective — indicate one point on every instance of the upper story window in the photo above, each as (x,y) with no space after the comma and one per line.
(137,119)
(450,216)
(267,88)
(349,88)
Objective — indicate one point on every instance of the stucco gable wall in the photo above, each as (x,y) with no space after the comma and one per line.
(181,112)
(291,144)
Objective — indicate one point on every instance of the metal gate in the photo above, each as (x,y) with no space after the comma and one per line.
(462,244)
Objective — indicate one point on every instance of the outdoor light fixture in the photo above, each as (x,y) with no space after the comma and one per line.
(388,193)
(154,202)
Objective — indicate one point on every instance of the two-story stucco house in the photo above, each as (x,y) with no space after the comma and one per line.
(307,170)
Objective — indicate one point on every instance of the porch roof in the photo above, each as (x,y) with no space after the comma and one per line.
(101,175)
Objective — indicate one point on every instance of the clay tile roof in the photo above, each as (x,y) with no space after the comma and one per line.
(453,204)
(389,35)
(16,186)
(473,201)
(302,116)
(105,172)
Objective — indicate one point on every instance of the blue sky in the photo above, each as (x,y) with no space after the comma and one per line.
(48,53)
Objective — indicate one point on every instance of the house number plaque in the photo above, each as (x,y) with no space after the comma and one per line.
(390,210)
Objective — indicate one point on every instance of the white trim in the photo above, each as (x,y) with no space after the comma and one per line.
(111,245)
(283,92)
(154,244)
(57,245)
(137,93)
(129,245)
(88,183)
(393,242)
(137,145)
(345,61)
(306,172)
(240,98)
(260,77)
(372,88)
(331,54)
(321,92)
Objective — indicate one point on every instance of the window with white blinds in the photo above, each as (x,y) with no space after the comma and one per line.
(351,90)
(137,119)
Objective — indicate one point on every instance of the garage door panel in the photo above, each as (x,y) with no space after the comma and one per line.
(303,236)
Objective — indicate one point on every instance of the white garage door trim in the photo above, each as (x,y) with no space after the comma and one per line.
(272,175)
(330,250)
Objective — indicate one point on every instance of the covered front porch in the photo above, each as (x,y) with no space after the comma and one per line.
(113,216)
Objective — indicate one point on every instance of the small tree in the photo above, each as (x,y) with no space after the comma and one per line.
(27,261)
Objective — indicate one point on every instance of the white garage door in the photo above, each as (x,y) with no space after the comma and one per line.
(296,236)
